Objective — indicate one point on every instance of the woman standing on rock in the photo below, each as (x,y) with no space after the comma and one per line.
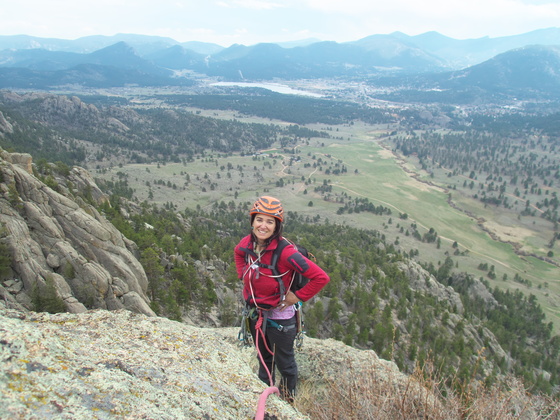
(271,305)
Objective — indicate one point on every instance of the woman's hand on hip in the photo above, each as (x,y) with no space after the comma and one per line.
(289,299)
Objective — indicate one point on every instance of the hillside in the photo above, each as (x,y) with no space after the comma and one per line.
(73,261)
(103,364)
(526,74)
(175,185)
(77,132)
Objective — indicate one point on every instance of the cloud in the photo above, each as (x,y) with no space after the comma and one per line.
(436,8)
(253,21)
(454,18)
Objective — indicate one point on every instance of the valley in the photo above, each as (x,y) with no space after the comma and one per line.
(317,177)
(422,172)
(404,205)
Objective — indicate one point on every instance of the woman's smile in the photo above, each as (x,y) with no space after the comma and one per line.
(264,226)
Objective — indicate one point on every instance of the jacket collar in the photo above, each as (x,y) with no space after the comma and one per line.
(271,246)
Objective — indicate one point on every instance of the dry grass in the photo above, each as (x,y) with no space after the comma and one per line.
(365,392)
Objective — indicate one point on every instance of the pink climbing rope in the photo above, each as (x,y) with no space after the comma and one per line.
(262,401)
(271,389)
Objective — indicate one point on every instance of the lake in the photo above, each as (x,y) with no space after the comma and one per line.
(270,86)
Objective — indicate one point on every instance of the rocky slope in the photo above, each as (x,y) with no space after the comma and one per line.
(117,364)
(54,238)
(121,365)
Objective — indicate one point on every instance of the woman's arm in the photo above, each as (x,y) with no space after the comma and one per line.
(318,278)
(239,256)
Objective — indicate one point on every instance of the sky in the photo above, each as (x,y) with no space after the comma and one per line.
(248,22)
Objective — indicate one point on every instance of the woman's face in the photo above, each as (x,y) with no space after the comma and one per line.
(263,227)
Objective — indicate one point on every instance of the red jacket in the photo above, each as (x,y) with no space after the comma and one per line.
(263,290)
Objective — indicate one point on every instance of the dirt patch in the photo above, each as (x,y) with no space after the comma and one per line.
(508,233)
(414,180)
(385,153)
(422,186)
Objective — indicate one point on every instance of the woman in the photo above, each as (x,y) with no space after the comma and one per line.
(271,302)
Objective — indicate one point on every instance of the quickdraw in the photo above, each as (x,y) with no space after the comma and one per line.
(244,336)
(300,326)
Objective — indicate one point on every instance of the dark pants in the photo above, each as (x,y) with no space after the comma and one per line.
(282,344)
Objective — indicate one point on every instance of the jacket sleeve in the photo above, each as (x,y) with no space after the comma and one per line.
(318,278)
(239,256)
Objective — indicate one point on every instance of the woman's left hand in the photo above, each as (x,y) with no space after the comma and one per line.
(289,299)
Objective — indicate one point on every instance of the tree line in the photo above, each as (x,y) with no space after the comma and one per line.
(59,131)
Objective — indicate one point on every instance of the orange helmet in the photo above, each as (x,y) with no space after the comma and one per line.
(268,205)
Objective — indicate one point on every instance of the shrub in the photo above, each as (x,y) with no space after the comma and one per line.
(45,298)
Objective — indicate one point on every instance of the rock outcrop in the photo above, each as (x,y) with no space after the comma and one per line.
(421,280)
(53,239)
(5,125)
(117,364)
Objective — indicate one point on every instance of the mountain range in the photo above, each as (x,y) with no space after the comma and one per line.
(431,61)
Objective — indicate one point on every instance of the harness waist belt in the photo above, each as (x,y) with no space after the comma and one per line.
(284,328)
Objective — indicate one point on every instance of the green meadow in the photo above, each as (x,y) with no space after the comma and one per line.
(356,166)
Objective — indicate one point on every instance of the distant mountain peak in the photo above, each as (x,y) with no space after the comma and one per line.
(119,47)
(375,55)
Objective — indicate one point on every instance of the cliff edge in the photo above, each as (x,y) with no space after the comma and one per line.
(54,238)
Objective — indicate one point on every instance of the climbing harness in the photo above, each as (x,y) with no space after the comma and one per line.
(252,313)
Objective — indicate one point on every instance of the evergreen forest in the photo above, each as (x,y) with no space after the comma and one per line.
(381,296)
(368,303)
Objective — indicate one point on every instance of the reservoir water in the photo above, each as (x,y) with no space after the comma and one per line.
(270,86)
